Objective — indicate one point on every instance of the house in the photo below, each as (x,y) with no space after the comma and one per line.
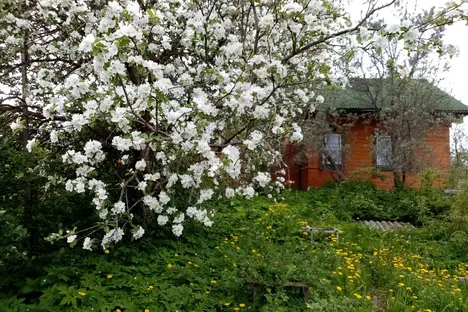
(366,143)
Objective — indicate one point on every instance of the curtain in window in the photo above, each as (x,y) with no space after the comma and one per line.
(383,151)
(333,148)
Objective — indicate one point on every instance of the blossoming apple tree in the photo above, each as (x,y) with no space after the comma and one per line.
(191,99)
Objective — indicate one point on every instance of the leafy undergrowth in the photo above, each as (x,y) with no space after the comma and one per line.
(210,269)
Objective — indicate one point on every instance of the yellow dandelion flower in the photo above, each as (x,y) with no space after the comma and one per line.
(147,310)
(150,287)
(227,304)
(368,297)
(236,309)
(82,293)
(401,285)
(195,265)
(106,251)
(241,305)
(213,282)
(109,276)
(339,288)
(254,251)
(357,296)
(190,262)
(414,297)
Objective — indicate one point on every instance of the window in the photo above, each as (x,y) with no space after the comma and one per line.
(383,152)
(332,156)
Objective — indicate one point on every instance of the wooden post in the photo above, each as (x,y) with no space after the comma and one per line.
(306,294)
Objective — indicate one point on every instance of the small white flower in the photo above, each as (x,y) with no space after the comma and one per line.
(162,220)
(87,243)
(320,99)
(53,136)
(71,238)
(142,185)
(87,44)
(16,125)
(177,229)
(119,207)
(140,165)
(138,233)
(30,145)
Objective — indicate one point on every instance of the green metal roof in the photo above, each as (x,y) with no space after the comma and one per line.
(370,95)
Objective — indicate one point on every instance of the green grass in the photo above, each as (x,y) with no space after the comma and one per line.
(208,268)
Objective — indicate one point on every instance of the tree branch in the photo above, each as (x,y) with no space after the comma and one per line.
(337,34)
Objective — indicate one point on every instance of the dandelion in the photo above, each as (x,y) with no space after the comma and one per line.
(118,310)
(236,309)
(109,276)
(254,251)
(339,288)
(190,262)
(147,310)
(357,296)
(106,251)
(401,285)
(414,297)
(195,265)
(227,304)
(368,297)
(241,305)
(150,287)
(169,266)
(82,293)
(213,282)
(269,227)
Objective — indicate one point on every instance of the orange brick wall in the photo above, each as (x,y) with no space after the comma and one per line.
(357,144)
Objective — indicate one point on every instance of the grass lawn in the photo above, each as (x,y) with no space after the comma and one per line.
(208,269)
